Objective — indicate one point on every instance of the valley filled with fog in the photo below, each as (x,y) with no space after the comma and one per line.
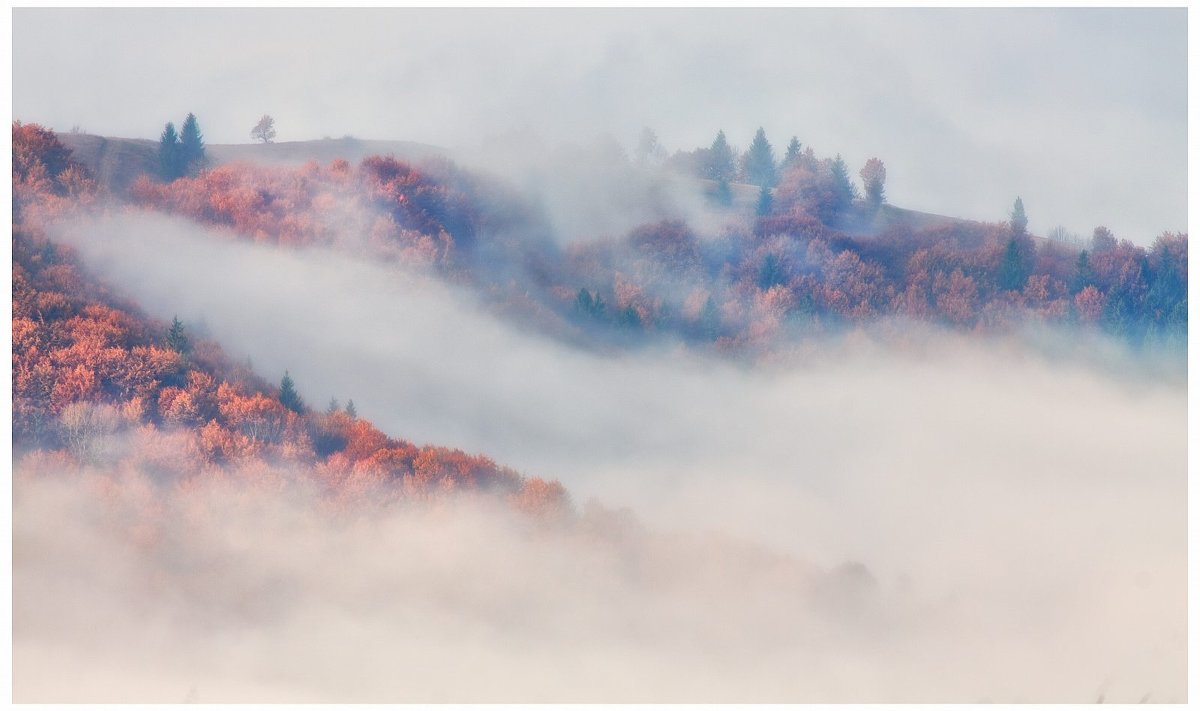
(951,518)
(682,355)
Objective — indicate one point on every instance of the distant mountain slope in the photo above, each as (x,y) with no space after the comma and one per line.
(745,196)
(117,162)
(751,284)
(814,262)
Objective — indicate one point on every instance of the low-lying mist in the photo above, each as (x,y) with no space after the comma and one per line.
(1019,519)
(592,189)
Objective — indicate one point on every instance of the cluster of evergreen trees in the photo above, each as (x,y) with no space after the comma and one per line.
(1017,262)
(758,166)
(592,306)
(181,153)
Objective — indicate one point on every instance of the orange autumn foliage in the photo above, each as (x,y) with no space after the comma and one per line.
(93,376)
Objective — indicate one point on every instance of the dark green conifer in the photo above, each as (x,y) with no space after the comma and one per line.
(720,160)
(760,161)
(793,151)
(1084,276)
(764,202)
(1017,220)
(169,154)
(191,146)
(843,189)
(1012,274)
(177,340)
(288,397)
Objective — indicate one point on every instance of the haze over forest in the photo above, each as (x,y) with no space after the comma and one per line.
(654,356)
(1079,111)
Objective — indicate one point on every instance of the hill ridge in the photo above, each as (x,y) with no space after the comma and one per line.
(117,162)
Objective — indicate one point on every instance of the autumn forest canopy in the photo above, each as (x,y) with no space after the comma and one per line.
(89,370)
(745,261)
(803,252)
(787,247)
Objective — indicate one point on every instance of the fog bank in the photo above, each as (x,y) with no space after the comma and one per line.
(1023,518)
(227,592)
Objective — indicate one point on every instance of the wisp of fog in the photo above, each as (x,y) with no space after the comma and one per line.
(967,520)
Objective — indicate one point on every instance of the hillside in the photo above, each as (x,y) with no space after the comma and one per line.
(741,283)
(322,151)
(158,479)
(117,162)
(97,382)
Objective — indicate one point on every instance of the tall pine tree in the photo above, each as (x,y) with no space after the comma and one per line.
(191,146)
(288,397)
(1016,264)
(1013,272)
(843,189)
(793,151)
(763,208)
(169,153)
(1084,276)
(760,161)
(720,160)
(177,340)
(1017,220)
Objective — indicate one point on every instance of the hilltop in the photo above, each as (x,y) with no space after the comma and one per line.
(117,162)
(747,275)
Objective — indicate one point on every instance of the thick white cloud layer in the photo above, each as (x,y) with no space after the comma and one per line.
(1082,112)
(1022,517)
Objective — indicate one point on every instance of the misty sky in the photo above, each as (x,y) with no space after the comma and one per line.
(1083,113)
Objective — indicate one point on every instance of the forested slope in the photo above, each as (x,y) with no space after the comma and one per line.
(97,383)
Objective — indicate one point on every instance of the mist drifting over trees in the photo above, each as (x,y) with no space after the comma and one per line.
(633,409)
